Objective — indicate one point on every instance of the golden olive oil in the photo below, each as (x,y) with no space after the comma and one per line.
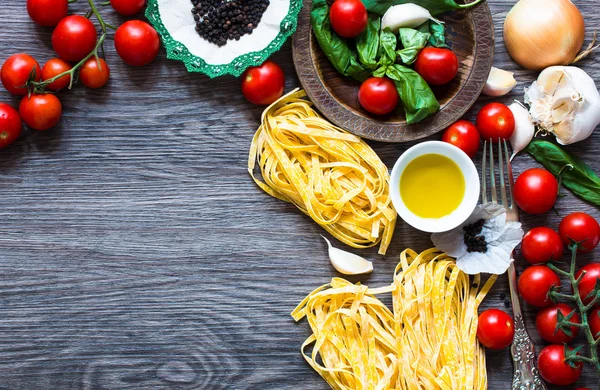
(432,186)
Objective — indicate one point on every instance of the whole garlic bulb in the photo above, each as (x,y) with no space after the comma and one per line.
(564,101)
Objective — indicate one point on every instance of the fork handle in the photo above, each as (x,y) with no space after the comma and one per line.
(526,375)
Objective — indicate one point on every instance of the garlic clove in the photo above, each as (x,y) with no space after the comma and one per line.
(348,263)
(405,15)
(524,128)
(499,83)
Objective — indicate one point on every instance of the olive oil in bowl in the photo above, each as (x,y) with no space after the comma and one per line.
(432,186)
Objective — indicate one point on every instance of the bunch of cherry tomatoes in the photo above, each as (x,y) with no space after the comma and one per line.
(77,45)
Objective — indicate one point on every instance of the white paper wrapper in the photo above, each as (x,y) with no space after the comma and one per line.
(177,18)
(502,237)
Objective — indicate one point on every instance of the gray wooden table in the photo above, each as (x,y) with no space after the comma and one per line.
(137,253)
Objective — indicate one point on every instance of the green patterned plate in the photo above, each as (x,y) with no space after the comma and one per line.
(175,23)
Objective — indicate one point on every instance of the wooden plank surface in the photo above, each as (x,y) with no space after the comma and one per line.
(136,252)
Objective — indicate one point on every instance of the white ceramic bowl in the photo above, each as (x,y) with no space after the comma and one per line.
(472,187)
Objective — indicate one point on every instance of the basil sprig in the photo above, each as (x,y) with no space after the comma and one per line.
(435,7)
(576,174)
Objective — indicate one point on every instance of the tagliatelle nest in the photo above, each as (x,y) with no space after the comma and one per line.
(428,342)
(328,173)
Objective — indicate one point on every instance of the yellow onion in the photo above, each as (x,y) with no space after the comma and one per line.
(542,33)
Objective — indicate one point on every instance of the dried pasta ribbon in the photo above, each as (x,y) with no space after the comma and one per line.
(329,174)
(428,342)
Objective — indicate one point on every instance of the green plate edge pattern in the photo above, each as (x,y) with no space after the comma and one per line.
(177,51)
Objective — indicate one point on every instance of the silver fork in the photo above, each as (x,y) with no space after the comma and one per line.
(525,376)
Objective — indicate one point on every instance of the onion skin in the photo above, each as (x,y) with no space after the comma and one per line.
(542,33)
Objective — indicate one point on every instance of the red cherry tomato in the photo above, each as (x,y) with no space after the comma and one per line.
(495,121)
(542,244)
(536,191)
(53,68)
(437,66)
(378,95)
(263,84)
(10,125)
(16,72)
(47,13)
(594,322)
(582,228)
(348,17)
(553,367)
(464,135)
(588,282)
(535,284)
(546,321)
(93,76)
(128,7)
(40,112)
(74,38)
(495,329)
(137,43)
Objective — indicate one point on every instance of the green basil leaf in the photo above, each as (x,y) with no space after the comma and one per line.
(380,72)
(417,98)
(438,34)
(367,43)
(387,47)
(435,7)
(337,50)
(412,41)
(581,180)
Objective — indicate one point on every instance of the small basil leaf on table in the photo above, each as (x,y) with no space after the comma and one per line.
(435,7)
(335,48)
(412,41)
(576,174)
(418,100)
(367,43)
(387,48)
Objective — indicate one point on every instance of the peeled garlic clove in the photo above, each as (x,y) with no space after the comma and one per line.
(405,15)
(564,101)
(499,83)
(348,263)
(524,128)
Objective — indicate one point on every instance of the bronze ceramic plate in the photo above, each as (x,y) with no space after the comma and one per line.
(469,33)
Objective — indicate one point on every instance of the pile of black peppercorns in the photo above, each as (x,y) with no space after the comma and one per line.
(219,21)
(474,241)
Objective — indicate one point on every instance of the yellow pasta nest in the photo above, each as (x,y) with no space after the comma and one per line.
(428,342)
(329,174)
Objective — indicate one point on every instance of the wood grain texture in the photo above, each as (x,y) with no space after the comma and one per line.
(137,253)
(470,35)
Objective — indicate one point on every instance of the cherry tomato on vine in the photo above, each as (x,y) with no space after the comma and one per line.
(495,121)
(47,13)
(263,84)
(495,329)
(535,191)
(74,38)
(378,95)
(594,322)
(10,125)
(348,17)
(53,68)
(582,228)
(464,135)
(40,111)
(137,43)
(437,66)
(93,76)
(128,7)
(588,282)
(535,284)
(16,71)
(547,319)
(541,244)
(555,369)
